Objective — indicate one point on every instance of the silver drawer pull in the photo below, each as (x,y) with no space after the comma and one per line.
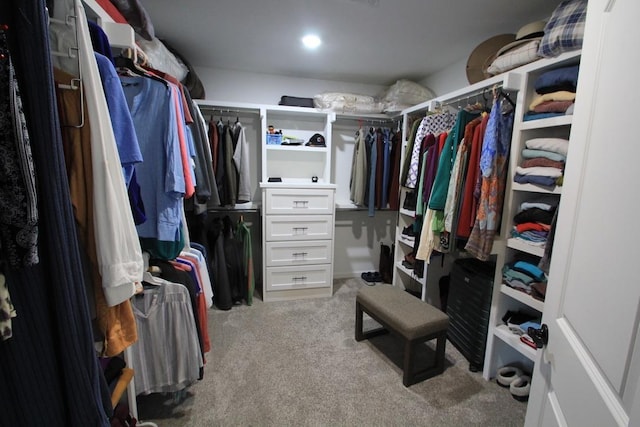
(300,203)
(300,230)
(301,254)
(297,279)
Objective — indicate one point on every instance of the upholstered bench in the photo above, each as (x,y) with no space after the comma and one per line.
(411,319)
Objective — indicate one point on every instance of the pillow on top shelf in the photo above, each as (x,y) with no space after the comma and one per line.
(565,30)
(514,58)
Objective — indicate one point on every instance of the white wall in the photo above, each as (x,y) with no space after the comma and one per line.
(449,79)
(357,235)
(239,86)
(357,241)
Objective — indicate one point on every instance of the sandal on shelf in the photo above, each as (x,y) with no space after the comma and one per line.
(518,382)
(508,374)
(520,388)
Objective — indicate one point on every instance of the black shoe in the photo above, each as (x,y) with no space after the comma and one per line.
(409,201)
(408,231)
(371,277)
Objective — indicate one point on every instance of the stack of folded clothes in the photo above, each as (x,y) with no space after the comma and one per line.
(543,161)
(555,93)
(533,221)
(526,277)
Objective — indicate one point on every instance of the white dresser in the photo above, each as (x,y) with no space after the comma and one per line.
(298,214)
(298,225)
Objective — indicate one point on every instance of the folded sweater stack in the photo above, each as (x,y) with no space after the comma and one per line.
(526,277)
(533,221)
(543,161)
(555,93)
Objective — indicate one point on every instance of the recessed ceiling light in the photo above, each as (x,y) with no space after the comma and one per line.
(311,41)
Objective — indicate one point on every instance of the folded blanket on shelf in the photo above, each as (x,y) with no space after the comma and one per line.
(553,107)
(540,171)
(535,179)
(533,238)
(561,95)
(532,115)
(528,226)
(530,153)
(542,161)
(556,145)
(536,215)
(565,78)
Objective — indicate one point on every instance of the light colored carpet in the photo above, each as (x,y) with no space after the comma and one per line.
(297,363)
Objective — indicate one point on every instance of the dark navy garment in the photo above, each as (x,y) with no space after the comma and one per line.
(48,370)
(100,41)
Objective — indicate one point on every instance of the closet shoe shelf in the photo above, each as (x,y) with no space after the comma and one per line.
(522,297)
(408,272)
(547,123)
(405,240)
(522,246)
(503,333)
(532,188)
(407,212)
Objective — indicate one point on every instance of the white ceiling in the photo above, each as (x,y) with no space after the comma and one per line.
(364,41)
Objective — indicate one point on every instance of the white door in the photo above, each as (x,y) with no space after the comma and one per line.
(588,373)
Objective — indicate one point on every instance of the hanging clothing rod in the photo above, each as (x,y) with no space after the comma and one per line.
(214,110)
(367,120)
(486,93)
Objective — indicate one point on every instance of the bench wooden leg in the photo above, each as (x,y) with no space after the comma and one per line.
(360,333)
(409,377)
(407,369)
(359,336)
(440,348)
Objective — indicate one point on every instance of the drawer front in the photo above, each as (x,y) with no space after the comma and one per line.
(303,253)
(299,201)
(298,227)
(302,277)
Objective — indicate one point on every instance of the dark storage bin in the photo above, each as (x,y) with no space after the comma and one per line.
(294,101)
(468,307)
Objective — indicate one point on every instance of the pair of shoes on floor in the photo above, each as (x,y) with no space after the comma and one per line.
(371,277)
(518,382)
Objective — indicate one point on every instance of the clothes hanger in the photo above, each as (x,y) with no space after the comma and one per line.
(505,95)
(486,100)
(129,65)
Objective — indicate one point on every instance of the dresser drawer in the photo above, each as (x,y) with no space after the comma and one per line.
(302,277)
(299,200)
(302,253)
(298,227)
